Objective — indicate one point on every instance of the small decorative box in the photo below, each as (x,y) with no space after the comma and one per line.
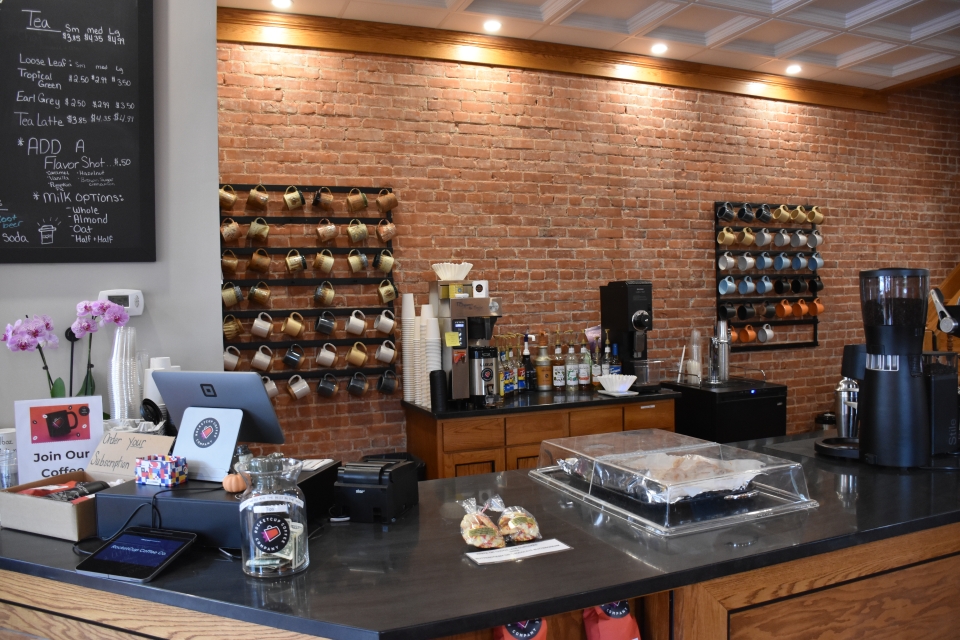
(165,471)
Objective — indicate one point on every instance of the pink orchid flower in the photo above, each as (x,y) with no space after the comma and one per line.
(84,308)
(22,342)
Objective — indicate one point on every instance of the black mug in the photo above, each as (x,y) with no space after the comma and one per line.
(326,323)
(815,284)
(387,382)
(781,286)
(746,213)
(746,311)
(727,311)
(358,384)
(763,213)
(294,356)
(768,310)
(725,212)
(58,423)
(799,285)
(327,387)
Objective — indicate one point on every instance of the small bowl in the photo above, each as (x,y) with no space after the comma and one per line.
(452,270)
(617,383)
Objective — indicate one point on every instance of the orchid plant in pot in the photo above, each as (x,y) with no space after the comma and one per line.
(91,316)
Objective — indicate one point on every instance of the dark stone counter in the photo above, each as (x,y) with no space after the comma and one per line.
(413,580)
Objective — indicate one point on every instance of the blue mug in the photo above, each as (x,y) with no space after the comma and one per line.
(799,261)
(764,261)
(727,285)
(765,285)
(781,262)
(815,262)
(746,286)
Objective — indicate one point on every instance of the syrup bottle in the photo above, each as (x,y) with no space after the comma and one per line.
(559,366)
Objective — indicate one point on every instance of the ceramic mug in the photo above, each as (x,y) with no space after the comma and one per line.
(324,261)
(816,307)
(816,284)
(262,359)
(726,237)
(231,358)
(745,213)
(297,387)
(387,291)
(295,262)
(328,385)
(798,239)
(386,231)
(293,198)
(799,262)
(258,230)
(746,237)
(327,357)
(270,387)
(323,199)
(768,310)
(227,196)
(798,215)
(726,311)
(815,262)
(383,261)
(746,286)
(231,328)
(764,261)
(258,197)
(800,308)
(782,238)
(386,201)
(356,200)
(815,215)
(781,285)
(259,261)
(726,212)
(262,326)
(357,231)
(748,334)
(734,335)
(764,214)
(294,356)
(726,261)
(386,352)
(746,261)
(229,230)
(815,239)
(781,213)
(358,384)
(357,260)
(385,322)
(324,293)
(327,231)
(231,294)
(765,333)
(356,323)
(292,325)
(764,237)
(326,323)
(799,285)
(784,309)
(764,285)
(357,356)
(781,262)
(388,382)
(746,311)
(229,261)
(727,285)
(259,293)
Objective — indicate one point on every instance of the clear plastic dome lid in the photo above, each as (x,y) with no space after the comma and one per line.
(894,297)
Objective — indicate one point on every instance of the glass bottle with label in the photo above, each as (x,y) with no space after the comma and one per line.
(596,369)
(605,363)
(514,387)
(583,374)
(544,366)
(615,366)
(528,370)
(572,365)
(559,367)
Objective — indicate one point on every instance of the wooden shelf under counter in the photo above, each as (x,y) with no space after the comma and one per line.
(461,443)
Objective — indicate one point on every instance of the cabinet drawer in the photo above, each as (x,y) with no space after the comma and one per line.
(591,421)
(533,428)
(523,457)
(648,415)
(479,433)
(472,463)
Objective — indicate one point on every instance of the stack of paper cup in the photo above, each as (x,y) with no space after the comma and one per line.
(432,350)
(408,324)
(426,316)
(418,357)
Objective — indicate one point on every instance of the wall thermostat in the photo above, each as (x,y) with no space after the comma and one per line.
(130,299)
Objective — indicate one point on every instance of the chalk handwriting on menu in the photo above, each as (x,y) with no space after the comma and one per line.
(70,126)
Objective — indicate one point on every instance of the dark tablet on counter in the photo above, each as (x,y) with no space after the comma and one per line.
(136,554)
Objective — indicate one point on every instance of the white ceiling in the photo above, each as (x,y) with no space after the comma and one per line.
(863,43)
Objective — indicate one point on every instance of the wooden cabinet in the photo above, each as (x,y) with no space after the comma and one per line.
(454,447)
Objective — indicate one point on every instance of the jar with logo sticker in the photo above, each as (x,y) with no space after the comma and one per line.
(273,518)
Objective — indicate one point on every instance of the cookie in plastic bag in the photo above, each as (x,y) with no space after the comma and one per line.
(477,529)
(516,523)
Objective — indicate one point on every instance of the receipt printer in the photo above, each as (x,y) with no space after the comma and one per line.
(377,490)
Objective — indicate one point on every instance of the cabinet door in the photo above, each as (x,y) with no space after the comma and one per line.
(523,457)
(472,433)
(472,463)
(590,421)
(534,428)
(648,415)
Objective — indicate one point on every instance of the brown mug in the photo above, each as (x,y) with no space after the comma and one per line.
(228,261)
(295,262)
(229,230)
(356,200)
(259,261)
(227,196)
(259,230)
(734,335)
(357,356)
(387,291)
(293,198)
(231,294)
(324,261)
(784,309)
(259,293)
(357,231)
(258,197)
(327,231)
(292,325)
(748,334)
(323,199)
(386,201)
(357,261)
(386,231)
(324,293)
(800,308)
(383,261)
(231,328)
(816,307)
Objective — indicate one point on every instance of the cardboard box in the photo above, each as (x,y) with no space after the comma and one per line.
(114,459)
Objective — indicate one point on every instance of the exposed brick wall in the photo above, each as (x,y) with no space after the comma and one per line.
(553,185)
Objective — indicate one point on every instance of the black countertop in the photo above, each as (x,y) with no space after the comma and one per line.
(413,580)
(544,401)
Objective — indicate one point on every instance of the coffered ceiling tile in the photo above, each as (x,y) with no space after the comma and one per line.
(643,46)
(327,8)
(579,37)
(703,26)
(885,82)
(843,51)
(473,22)
(850,79)
(652,15)
(723,58)
(778,39)
(393,14)
(949,42)
(619,9)
(846,14)
(524,9)
(903,61)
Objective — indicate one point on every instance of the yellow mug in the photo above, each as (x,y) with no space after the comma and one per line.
(227,196)
(259,229)
(726,237)
(746,237)
(258,197)
(357,356)
(295,262)
(324,261)
(356,200)
(292,325)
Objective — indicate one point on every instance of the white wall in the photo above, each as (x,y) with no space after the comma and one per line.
(181,288)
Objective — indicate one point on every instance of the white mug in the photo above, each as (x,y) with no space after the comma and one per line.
(327,357)
(765,333)
(271,387)
(815,239)
(262,328)
(746,261)
(764,237)
(782,238)
(726,261)
(384,322)
(262,359)
(356,323)
(231,358)
(386,352)
(297,387)
(798,239)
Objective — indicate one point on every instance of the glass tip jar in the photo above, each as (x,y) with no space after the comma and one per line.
(273,518)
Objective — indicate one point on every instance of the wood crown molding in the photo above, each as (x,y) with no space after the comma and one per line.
(311,32)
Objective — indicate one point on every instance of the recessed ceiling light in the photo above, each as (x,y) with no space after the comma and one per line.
(281,4)
(659,48)
(492,25)
(794,69)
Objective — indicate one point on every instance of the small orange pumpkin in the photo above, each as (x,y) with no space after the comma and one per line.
(234,483)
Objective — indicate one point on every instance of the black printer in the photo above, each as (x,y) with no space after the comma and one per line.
(376,490)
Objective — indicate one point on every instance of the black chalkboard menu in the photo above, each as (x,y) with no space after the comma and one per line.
(76,131)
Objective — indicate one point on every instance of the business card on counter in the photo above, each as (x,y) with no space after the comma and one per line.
(510,554)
